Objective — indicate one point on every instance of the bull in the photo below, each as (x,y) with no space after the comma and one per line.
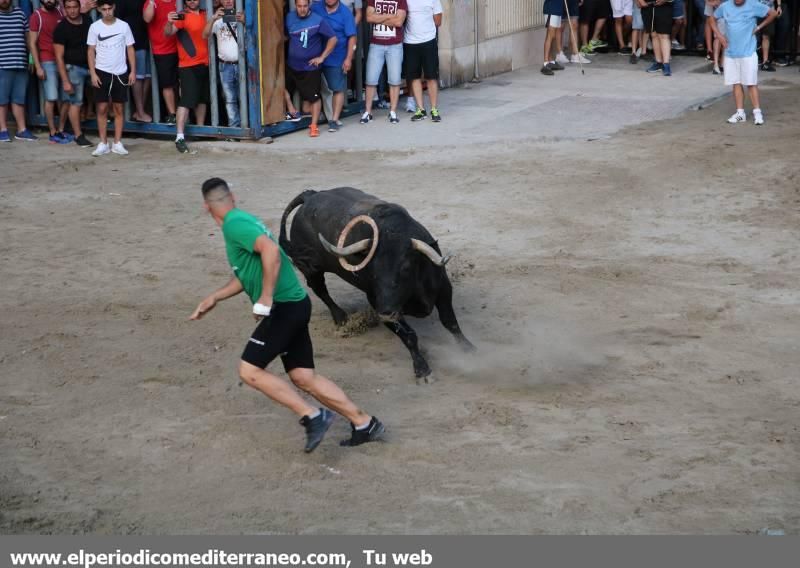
(391,257)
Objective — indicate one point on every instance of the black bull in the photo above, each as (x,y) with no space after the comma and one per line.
(405,276)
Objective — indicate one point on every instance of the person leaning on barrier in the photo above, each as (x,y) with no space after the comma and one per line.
(43,23)
(110,41)
(165,52)
(69,44)
(227,38)
(132,12)
(13,71)
(192,65)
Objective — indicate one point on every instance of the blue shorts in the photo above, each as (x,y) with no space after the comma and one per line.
(142,64)
(553,8)
(335,78)
(678,9)
(638,22)
(52,81)
(77,76)
(393,56)
(13,86)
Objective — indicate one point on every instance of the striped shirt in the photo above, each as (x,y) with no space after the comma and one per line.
(13,27)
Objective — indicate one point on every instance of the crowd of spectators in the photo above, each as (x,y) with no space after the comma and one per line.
(94,54)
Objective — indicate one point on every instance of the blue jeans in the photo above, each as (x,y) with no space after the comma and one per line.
(77,76)
(392,55)
(52,82)
(13,86)
(229,79)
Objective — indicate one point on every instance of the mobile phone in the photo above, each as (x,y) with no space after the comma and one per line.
(180,16)
(229,16)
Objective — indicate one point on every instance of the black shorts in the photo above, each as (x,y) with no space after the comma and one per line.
(166,70)
(658,19)
(307,83)
(768,31)
(421,59)
(593,10)
(194,86)
(113,88)
(284,333)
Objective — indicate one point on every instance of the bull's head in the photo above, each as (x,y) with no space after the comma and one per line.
(342,251)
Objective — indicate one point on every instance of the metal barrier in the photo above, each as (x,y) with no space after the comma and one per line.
(503,17)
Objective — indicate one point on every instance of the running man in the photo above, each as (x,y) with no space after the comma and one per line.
(283,309)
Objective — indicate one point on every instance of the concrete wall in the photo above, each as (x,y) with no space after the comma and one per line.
(495,55)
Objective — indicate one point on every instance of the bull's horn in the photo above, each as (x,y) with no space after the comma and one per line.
(342,252)
(428,251)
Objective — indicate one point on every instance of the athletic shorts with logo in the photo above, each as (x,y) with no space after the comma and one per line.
(307,83)
(284,333)
(113,88)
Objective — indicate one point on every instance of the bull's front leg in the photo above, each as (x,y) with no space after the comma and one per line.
(409,338)
(316,282)
(444,305)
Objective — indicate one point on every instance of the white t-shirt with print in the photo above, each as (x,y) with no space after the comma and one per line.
(228,49)
(419,20)
(111,44)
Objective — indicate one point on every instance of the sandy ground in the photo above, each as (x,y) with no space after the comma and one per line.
(634,301)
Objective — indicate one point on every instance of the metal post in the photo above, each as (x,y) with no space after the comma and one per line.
(476,72)
(240,32)
(253,66)
(156,92)
(212,67)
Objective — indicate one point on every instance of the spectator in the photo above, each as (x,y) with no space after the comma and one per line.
(42,24)
(741,61)
(110,41)
(622,11)
(386,47)
(421,54)
(658,23)
(678,35)
(767,33)
(228,55)
(131,12)
(69,45)
(165,51)
(554,10)
(305,32)
(190,27)
(593,12)
(638,37)
(336,67)
(717,55)
(13,71)
(572,15)
(356,7)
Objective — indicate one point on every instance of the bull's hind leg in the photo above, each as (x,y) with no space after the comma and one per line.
(444,305)
(409,338)
(316,282)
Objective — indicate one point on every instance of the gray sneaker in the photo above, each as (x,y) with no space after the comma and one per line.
(316,428)
(333,126)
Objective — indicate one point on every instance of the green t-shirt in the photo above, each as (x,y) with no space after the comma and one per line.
(241,230)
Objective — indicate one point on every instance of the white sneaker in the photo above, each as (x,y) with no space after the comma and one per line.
(758,118)
(579,58)
(561,58)
(101,150)
(411,104)
(738,117)
(118,148)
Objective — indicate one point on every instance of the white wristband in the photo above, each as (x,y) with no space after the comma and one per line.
(261,310)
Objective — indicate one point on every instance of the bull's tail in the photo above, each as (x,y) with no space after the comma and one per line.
(283,238)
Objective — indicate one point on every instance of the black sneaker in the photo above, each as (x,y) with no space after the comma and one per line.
(634,59)
(555,66)
(767,66)
(171,119)
(182,147)
(316,428)
(546,70)
(419,115)
(83,142)
(369,434)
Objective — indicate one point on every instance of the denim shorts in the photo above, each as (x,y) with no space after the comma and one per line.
(392,55)
(678,10)
(638,22)
(336,79)
(13,86)
(52,81)
(77,76)
(142,64)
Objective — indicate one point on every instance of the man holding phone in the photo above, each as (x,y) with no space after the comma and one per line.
(225,28)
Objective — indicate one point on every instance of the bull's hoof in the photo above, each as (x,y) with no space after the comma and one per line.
(428,379)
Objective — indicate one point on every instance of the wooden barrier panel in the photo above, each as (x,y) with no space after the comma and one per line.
(272,60)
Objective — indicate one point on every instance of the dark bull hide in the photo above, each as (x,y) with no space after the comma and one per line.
(405,276)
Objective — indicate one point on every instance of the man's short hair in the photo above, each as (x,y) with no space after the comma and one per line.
(78,2)
(213,184)
(105,3)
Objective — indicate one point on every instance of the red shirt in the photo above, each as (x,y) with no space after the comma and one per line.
(161,44)
(381,33)
(44,22)
(192,47)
